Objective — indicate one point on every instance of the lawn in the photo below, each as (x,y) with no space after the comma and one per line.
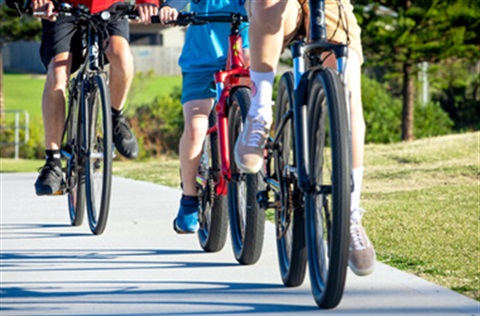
(18,98)
(144,89)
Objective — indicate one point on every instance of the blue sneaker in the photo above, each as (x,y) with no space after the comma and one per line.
(187,217)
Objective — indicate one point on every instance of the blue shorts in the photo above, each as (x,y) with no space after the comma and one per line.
(197,86)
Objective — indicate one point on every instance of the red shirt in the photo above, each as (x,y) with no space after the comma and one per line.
(100,5)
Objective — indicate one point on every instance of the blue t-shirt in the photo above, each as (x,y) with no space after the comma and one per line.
(206,46)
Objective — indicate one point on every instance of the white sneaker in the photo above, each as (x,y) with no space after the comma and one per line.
(250,144)
(362,255)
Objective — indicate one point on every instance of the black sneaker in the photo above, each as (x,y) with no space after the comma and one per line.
(50,180)
(123,138)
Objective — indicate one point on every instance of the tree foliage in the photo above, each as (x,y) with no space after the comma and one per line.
(14,28)
(398,35)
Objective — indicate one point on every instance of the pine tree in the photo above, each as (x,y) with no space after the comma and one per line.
(399,34)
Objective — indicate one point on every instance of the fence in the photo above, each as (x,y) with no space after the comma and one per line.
(24,56)
(16,127)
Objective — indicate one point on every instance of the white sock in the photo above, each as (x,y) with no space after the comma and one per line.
(262,94)
(357,189)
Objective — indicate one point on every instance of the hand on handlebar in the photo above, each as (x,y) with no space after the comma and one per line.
(146,11)
(45,8)
(168,14)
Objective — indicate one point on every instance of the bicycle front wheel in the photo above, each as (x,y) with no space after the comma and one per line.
(328,206)
(289,217)
(247,219)
(97,144)
(74,172)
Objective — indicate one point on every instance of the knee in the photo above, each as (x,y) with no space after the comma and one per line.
(357,119)
(57,80)
(120,57)
(268,16)
(194,133)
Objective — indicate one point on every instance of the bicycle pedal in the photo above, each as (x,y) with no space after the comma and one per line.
(60,192)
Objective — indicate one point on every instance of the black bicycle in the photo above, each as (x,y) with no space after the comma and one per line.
(87,148)
(308,166)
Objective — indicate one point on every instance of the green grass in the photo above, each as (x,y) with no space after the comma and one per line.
(145,88)
(24,92)
(145,170)
(20,165)
(423,202)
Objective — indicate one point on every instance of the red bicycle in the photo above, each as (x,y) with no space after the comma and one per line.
(224,191)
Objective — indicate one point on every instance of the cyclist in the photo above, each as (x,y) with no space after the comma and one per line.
(61,53)
(272,24)
(204,53)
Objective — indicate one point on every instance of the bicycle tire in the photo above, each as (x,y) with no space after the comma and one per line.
(97,143)
(328,204)
(74,174)
(289,219)
(247,219)
(213,216)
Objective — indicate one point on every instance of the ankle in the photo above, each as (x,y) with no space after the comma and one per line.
(53,156)
(356,215)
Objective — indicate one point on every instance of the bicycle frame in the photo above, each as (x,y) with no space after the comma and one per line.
(300,50)
(235,75)
(90,66)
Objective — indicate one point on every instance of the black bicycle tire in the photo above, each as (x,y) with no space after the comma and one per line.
(73,131)
(212,235)
(98,223)
(247,243)
(328,289)
(291,247)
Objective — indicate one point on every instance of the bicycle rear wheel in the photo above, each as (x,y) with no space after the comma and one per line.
(289,218)
(247,219)
(97,143)
(213,215)
(74,173)
(328,206)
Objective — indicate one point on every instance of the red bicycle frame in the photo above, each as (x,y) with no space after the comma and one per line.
(235,75)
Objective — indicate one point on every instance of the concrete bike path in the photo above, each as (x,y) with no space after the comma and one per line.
(139,266)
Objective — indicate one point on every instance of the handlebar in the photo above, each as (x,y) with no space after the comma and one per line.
(193,18)
(119,9)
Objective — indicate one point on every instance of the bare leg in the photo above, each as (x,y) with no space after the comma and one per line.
(270,20)
(53,99)
(121,70)
(196,114)
(356,107)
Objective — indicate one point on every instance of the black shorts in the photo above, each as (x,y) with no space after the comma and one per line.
(63,35)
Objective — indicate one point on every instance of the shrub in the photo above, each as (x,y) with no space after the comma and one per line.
(382,113)
(431,120)
(383,116)
(158,125)
(34,148)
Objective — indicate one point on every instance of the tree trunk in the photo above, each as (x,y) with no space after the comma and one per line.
(407,112)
